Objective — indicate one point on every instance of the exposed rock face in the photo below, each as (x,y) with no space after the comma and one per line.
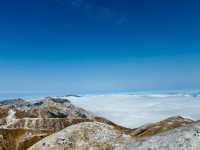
(44,109)
(10,119)
(52,108)
(16,102)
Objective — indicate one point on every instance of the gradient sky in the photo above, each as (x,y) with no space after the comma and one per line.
(85,46)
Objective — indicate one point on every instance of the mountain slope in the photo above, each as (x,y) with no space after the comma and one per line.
(99,136)
(55,123)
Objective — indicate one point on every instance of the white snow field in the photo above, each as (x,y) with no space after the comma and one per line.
(133,110)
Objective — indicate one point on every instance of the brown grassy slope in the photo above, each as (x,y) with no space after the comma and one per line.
(12,139)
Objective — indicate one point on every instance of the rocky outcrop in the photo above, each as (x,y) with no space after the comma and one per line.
(45,108)
(52,108)
(16,102)
(84,136)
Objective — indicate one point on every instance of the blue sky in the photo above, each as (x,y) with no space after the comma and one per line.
(85,46)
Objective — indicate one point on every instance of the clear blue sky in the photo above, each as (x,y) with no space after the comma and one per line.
(85,46)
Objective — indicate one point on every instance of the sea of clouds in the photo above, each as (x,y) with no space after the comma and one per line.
(133,110)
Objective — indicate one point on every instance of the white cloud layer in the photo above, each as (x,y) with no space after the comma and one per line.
(136,110)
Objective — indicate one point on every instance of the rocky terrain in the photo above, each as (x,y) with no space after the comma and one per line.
(55,123)
(99,136)
(23,123)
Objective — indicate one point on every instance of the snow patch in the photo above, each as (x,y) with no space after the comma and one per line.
(11,118)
